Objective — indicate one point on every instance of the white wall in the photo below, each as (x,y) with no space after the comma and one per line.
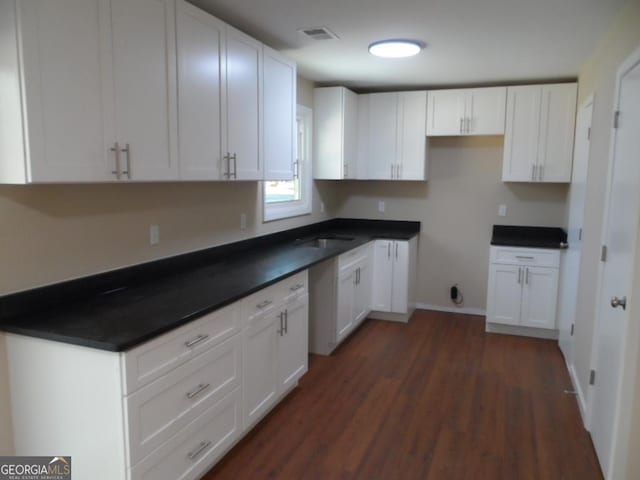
(457,207)
(598,77)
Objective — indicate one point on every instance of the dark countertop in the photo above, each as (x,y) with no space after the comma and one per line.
(529,237)
(119,310)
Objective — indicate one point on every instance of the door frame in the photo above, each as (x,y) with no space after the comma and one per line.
(626,388)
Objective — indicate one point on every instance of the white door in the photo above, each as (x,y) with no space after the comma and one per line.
(260,353)
(383,134)
(539,297)
(557,126)
(363,291)
(400,282)
(620,235)
(485,111)
(200,44)
(412,140)
(382,276)
(279,115)
(521,134)
(66,47)
(570,266)
(445,112)
(144,56)
(293,343)
(504,298)
(346,303)
(242,113)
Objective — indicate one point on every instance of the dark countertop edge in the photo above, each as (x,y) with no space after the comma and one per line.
(532,245)
(400,233)
(520,236)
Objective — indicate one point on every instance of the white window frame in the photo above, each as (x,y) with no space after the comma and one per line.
(280,210)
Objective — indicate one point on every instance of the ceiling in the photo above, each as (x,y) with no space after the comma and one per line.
(469,42)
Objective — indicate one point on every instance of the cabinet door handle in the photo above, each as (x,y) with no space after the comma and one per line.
(346,170)
(389,250)
(461,124)
(524,257)
(399,170)
(396,250)
(235,165)
(198,390)
(264,304)
(116,150)
(297,287)
(281,331)
(468,124)
(286,321)
(541,172)
(519,275)
(195,341)
(526,276)
(127,150)
(227,158)
(201,448)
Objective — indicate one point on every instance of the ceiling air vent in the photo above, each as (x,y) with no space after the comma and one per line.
(318,33)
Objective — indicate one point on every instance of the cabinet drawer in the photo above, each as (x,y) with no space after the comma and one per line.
(191,452)
(351,257)
(153,359)
(162,408)
(295,286)
(261,302)
(525,256)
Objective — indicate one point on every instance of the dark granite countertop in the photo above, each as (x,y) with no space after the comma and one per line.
(530,237)
(119,310)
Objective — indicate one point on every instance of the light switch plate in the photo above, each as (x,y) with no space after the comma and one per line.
(154,234)
(381,206)
(502,210)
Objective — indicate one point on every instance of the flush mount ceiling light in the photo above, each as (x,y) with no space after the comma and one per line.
(395,48)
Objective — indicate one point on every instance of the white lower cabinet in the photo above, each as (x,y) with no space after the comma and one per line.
(394,276)
(171,407)
(523,287)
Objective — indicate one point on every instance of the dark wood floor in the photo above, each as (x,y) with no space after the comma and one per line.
(435,399)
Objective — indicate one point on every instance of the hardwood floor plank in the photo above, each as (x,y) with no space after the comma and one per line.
(437,398)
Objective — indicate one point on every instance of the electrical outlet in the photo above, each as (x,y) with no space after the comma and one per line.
(502,210)
(154,234)
(381,206)
(243,221)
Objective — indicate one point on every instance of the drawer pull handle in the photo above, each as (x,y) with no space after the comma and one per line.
(201,448)
(264,304)
(521,257)
(297,287)
(195,341)
(199,389)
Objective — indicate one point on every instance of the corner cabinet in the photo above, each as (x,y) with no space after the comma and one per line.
(171,407)
(335,124)
(472,111)
(523,287)
(538,143)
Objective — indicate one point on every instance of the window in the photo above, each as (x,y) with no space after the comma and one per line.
(290,198)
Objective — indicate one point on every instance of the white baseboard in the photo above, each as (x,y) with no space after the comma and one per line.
(391,317)
(463,310)
(582,401)
(521,331)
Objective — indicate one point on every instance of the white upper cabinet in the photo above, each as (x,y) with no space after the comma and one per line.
(67,123)
(412,140)
(242,107)
(200,57)
(335,124)
(279,115)
(472,111)
(539,134)
(145,88)
(383,135)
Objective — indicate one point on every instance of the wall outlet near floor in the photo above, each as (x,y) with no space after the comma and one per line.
(381,206)
(154,234)
(243,221)
(502,210)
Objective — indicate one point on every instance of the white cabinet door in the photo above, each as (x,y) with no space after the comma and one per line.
(446,112)
(350,135)
(363,137)
(200,38)
(241,106)
(412,144)
(66,50)
(504,294)
(400,278)
(539,297)
(279,115)
(521,134)
(485,111)
(144,56)
(293,343)
(383,135)
(382,275)
(346,303)
(363,291)
(260,353)
(557,127)
(328,103)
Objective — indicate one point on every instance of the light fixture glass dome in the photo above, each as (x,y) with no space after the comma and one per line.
(395,48)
